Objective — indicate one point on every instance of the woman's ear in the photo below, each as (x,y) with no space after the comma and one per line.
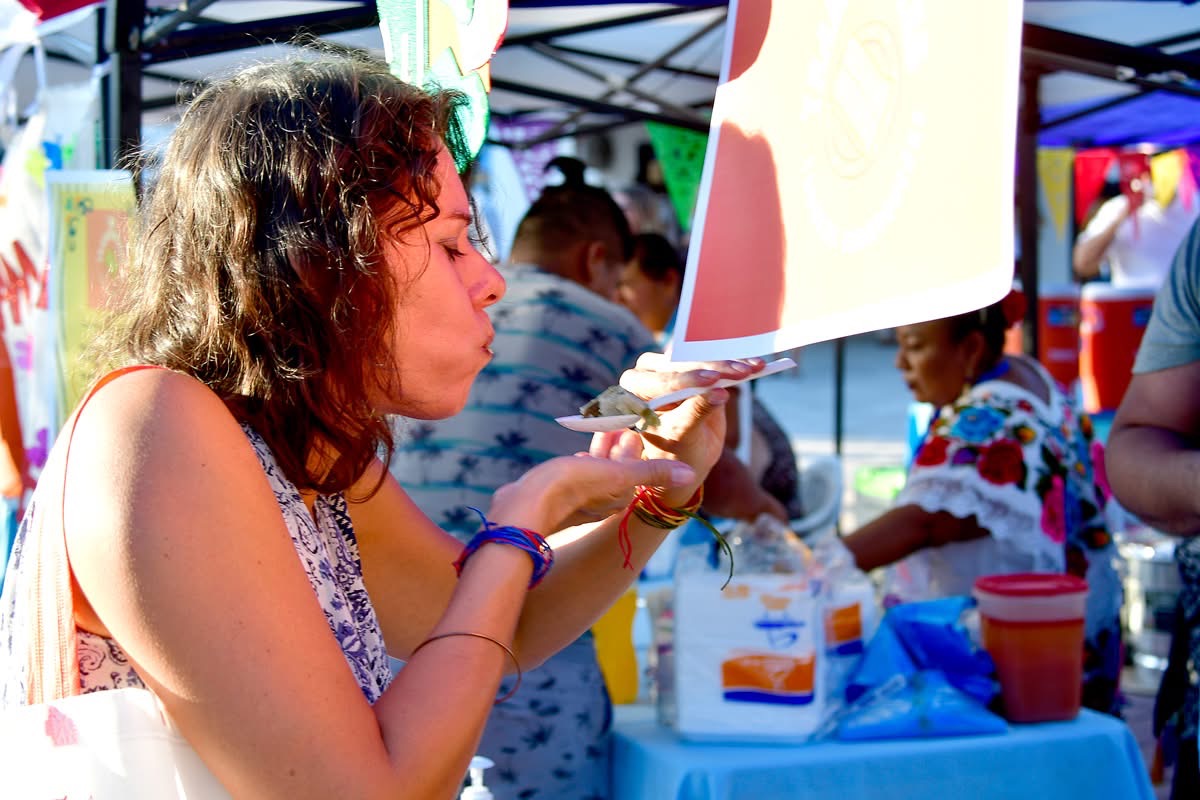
(974,350)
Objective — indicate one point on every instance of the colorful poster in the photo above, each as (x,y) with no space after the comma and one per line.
(89,218)
(859,172)
(58,135)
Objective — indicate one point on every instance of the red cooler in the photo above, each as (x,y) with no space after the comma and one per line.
(1112,321)
(1058,333)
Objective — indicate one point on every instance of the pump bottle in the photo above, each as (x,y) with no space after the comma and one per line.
(476,790)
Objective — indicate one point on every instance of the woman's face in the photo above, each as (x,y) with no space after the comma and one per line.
(442,335)
(933,365)
(653,302)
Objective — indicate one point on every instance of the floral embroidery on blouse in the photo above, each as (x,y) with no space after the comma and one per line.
(1032,476)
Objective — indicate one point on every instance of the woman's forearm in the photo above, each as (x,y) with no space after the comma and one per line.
(588,577)
(903,531)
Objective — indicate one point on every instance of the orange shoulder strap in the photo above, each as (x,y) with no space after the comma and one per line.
(53,661)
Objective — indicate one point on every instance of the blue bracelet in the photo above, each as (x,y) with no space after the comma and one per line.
(531,542)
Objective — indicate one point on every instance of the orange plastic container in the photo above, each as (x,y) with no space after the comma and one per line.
(1032,626)
(1058,333)
(1111,325)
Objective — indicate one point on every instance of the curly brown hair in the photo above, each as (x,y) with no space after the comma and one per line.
(255,265)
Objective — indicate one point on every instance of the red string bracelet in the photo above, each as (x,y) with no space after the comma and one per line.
(648,506)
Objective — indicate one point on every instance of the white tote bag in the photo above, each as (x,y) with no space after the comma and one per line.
(107,745)
(116,744)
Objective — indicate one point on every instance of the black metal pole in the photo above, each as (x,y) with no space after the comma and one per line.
(839,381)
(124,97)
(1027,196)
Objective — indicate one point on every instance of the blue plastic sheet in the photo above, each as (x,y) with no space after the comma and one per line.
(921,676)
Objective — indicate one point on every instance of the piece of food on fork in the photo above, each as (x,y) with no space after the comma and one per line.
(616,401)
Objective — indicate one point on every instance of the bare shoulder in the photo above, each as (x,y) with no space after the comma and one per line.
(154,458)
(148,401)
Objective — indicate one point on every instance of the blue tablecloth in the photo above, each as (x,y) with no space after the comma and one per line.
(1093,756)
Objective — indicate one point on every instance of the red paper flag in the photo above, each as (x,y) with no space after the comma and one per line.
(1091,167)
(1135,173)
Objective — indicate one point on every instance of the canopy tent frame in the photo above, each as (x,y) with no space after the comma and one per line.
(134,43)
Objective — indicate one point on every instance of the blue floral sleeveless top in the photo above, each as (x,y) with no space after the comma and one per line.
(327,548)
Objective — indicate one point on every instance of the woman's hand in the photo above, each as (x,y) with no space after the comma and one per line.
(676,455)
(570,490)
(687,432)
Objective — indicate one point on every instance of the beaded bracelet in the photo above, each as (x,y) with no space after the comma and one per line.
(648,507)
(493,640)
(521,538)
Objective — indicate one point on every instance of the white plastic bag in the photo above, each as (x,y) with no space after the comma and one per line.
(747,657)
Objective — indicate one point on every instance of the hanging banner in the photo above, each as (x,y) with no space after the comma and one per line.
(1187,182)
(59,134)
(1055,165)
(681,154)
(89,221)
(857,176)
(1091,170)
(446,44)
(1166,169)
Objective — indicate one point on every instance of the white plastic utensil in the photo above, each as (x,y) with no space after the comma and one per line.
(616,422)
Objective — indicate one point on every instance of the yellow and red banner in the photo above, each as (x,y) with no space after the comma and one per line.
(89,222)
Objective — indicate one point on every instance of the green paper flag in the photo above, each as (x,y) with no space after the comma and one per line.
(681,154)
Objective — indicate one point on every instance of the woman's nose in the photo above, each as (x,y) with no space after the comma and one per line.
(491,284)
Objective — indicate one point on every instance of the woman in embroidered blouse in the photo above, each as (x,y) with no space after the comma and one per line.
(1005,480)
(303,267)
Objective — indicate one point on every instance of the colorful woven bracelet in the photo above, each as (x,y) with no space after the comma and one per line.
(522,538)
(648,507)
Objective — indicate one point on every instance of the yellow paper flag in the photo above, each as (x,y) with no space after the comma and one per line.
(1054,174)
(1165,171)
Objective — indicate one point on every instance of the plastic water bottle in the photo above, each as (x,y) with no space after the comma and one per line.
(664,668)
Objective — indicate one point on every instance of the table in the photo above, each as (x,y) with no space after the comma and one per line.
(1093,756)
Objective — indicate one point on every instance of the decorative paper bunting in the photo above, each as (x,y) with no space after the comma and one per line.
(1187,182)
(681,154)
(1134,167)
(1091,167)
(1165,171)
(1054,175)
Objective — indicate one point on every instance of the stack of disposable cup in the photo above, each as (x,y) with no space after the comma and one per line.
(1032,625)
